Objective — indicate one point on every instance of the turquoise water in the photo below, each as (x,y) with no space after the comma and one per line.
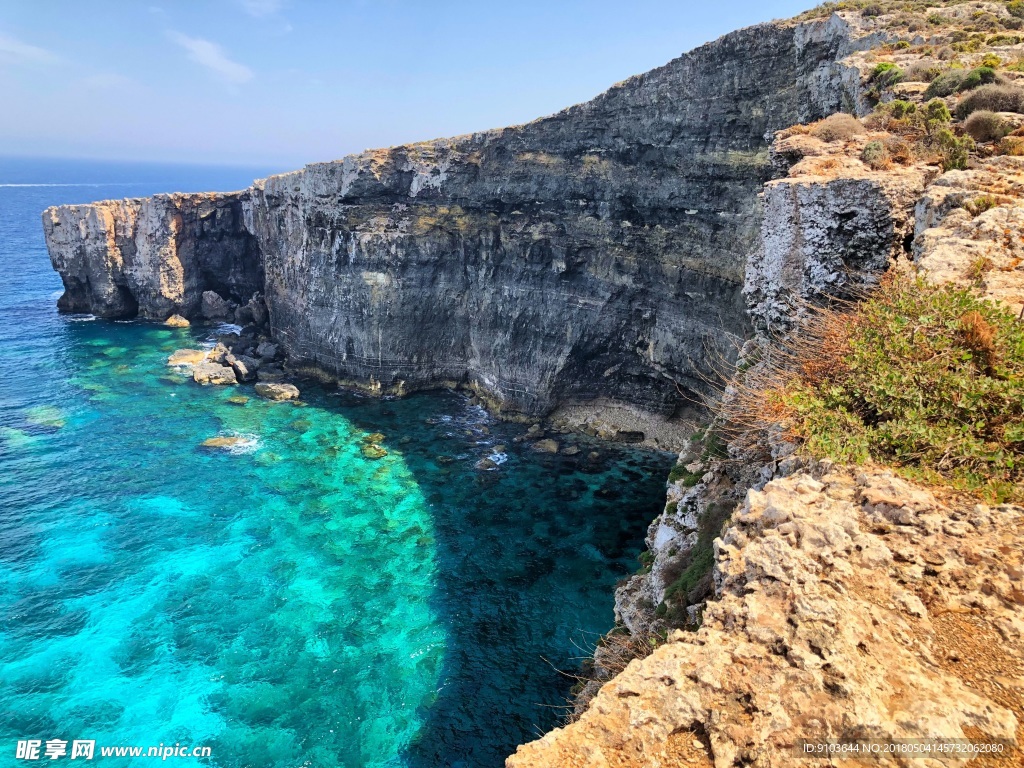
(289,602)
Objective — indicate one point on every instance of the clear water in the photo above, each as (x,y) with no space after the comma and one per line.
(288,603)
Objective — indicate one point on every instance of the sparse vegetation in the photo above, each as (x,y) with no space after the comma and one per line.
(986,126)
(955,150)
(876,156)
(992,98)
(838,127)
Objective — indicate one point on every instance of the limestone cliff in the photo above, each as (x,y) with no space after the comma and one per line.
(599,252)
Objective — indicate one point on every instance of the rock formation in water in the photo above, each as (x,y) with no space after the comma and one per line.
(596,253)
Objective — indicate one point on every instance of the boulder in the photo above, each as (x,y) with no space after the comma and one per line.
(215,307)
(546,446)
(238,399)
(266,350)
(243,315)
(177,321)
(186,357)
(219,354)
(277,391)
(572,450)
(244,367)
(209,372)
(257,307)
(486,464)
(375,438)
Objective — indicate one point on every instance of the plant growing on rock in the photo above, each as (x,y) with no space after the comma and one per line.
(927,379)
(992,98)
(876,156)
(986,126)
(955,150)
(838,127)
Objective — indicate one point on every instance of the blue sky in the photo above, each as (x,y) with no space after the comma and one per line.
(285,82)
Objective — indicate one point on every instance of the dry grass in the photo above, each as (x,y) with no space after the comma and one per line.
(837,127)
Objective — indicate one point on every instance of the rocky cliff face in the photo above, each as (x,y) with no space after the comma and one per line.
(152,257)
(599,252)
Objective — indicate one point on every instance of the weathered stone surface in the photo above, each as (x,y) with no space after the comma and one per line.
(277,391)
(210,372)
(984,251)
(214,307)
(830,227)
(598,252)
(152,257)
(186,357)
(546,446)
(177,321)
(244,367)
(817,632)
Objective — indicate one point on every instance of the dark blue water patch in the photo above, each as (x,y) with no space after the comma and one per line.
(290,602)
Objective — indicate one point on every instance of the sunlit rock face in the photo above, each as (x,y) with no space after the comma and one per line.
(599,252)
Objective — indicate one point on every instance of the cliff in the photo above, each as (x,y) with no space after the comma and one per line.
(596,253)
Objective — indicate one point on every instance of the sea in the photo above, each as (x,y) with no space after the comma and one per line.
(288,602)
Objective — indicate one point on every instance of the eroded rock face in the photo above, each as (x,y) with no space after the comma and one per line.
(152,257)
(599,252)
(846,606)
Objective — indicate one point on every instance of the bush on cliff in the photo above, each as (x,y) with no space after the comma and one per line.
(986,126)
(838,127)
(992,98)
(927,379)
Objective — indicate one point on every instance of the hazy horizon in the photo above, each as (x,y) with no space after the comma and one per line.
(277,84)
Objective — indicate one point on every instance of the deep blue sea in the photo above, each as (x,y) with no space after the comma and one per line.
(291,602)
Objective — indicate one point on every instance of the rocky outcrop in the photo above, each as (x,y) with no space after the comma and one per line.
(152,257)
(847,608)
(831,227)
(596,253)
(969,229)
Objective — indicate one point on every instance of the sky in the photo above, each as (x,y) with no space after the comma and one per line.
(286,82)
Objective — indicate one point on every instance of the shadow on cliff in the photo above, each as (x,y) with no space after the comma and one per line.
(527,557)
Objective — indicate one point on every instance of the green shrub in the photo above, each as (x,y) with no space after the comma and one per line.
(872,10)
(876,155)
(956,80)
(986,126)
(991,61)
(901,109)
(928,379)
(946,84)
(886,74)
(992,98)
(956,150)
(978,76)
(901,45)
(1016,8)
(677,473)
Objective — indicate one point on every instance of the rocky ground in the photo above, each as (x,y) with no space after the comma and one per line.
(845,606)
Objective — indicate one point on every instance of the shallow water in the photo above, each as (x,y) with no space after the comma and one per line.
(288,602)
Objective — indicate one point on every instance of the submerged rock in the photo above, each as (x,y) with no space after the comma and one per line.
(238,399)
(186,357)
(209,372)
(373,451)
(177,321)
(277,391)
(224,442)
(486,464)
(374,437)
(546,446)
